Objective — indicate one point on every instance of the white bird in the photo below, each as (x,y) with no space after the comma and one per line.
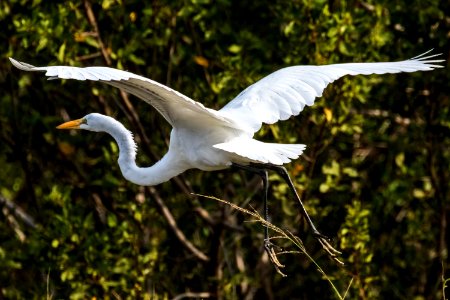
(209,139)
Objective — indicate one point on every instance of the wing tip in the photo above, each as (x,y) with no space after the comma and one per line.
(426,59)
(423,54)
(21,65)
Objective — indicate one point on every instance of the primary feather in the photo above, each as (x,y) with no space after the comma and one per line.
(171,104)
(286,92)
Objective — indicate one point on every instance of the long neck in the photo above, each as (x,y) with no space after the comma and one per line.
(168,167)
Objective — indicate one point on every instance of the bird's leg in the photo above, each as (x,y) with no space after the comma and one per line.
(262,172)
(265,180)
(323,240)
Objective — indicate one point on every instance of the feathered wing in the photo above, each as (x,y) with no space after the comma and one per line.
(175,107)
(278,96)
(285,92)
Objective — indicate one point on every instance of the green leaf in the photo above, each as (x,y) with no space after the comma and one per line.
(61,52)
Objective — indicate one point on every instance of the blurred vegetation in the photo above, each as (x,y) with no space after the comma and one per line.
(375,176)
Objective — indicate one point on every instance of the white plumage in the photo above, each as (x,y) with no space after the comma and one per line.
(211,139)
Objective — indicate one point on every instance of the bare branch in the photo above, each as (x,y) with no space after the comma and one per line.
(93,21)
(206,216)
(173,225)
(192,295)
(18,211)
(88,56)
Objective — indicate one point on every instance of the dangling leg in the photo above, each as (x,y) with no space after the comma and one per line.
(262,172)
(323,240)
(265,181)
(264,177)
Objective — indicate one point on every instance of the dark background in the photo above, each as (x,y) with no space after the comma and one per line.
(375,176)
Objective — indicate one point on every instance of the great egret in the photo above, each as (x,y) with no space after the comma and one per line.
(208,139)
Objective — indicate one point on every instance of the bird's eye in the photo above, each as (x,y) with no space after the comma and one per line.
(83,121)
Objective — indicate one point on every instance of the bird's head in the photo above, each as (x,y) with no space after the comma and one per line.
(92,122)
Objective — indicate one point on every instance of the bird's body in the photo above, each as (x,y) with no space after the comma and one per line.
(209,139)
(196,145)
(189,148)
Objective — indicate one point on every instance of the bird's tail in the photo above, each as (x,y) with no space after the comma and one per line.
(249,150)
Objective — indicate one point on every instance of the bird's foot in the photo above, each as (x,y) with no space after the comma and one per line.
(269,247)
(325,242)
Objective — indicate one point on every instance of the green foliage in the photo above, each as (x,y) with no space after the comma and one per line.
(374,176)
(354,238)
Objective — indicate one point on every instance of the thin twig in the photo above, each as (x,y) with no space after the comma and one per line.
(93,21)
(88,56)
(99,207)
(18,211)
(348,288)
(49,296)
(205,215)
(192,295)
(444,281)
(288,236)
(173,225)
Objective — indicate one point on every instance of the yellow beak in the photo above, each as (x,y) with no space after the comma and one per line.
(75,124)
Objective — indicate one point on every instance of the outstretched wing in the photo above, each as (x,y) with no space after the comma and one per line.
(285,92)
(175,107)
